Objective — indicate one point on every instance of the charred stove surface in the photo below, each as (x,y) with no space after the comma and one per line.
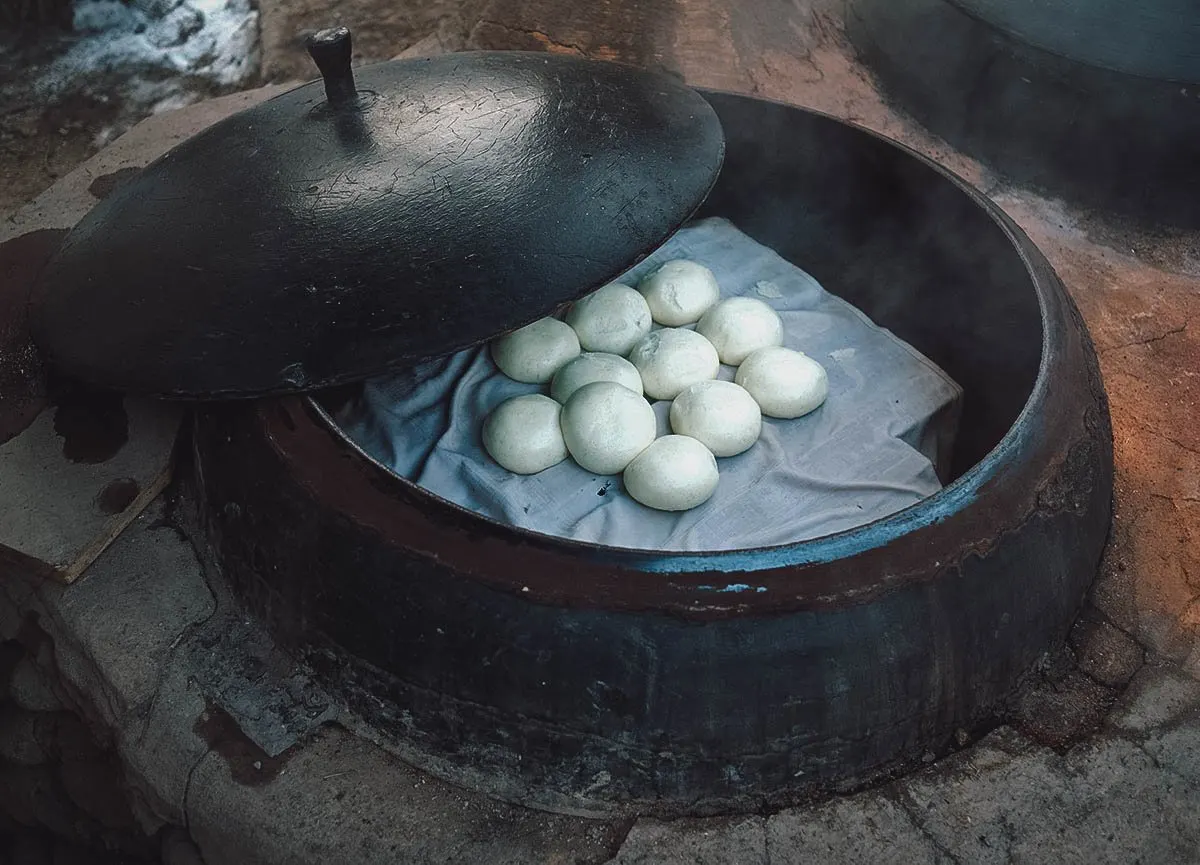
(22,380)
(92,423)
(586,678)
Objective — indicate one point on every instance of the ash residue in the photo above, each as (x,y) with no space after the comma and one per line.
(68,93)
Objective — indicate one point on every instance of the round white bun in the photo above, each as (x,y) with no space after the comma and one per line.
(740,325)
(591,367)
(672,359)
(605,425)
(785,383)
(721,415)
(535,352)
(676,473)
(679,292)
(611,319)
(523,434)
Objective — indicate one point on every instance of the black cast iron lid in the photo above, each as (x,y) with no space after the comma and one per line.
(344,229)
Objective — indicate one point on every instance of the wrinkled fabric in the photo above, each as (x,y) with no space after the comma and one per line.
(869,451)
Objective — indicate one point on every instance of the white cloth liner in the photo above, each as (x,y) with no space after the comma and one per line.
(869,451)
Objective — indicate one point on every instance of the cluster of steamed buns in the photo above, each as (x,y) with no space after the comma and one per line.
(605,360)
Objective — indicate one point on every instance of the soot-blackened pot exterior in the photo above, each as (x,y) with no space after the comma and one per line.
(579,677)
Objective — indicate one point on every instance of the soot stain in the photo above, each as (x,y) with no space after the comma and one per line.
(22,377)
(104,185)
(248,763)
(92,423)
(117,495)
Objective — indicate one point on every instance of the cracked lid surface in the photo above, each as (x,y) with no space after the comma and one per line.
(333,233)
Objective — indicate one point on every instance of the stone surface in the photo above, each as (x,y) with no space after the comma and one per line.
(178,849)
(139,599)
(651,842)
(161,749)
(1107,654)
(341,799)
(1059,712)
(30,688)
(1107,802)
(57,508)
(848,831)
(22,735)
(1177,749)
(1157,697)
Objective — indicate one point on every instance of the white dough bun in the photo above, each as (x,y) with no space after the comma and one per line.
(591,367)
(672,359)
(785,384)
(605,425)
(523,434)
(675,473)
(535,352)
(740,325)
(720,415)
(679,292)
(611,319)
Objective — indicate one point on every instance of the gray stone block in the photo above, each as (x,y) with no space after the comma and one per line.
(58,508)
(21,736)
(32,849)
(869,828)
(30,689)
(131,612)
(1156,696)
(1178,750)
(1105,653)
(1103,803)
(160,751)
(341,799)
(97,789)
(741,840)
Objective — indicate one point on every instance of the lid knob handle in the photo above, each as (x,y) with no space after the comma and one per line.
(330,50)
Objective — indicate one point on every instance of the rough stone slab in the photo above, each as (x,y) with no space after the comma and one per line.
(691,842)
(30,688)
(1105,653)
(125,619)
(1178,750)
(849,832)
(341,799)
(58,509)
(21,736)
(1156,697)
(160,751)
(1107,802)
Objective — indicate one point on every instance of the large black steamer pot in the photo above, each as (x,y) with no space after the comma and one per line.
(584,678)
